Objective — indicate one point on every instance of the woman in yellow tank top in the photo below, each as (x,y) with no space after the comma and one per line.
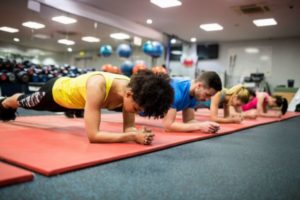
(145,92)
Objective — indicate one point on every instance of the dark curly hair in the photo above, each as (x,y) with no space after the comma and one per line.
(152,92)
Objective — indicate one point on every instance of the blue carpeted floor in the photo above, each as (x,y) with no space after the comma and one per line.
(257,163)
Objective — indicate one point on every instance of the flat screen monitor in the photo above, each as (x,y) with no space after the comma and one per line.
(206,52)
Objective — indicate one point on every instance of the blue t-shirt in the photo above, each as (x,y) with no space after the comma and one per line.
(182,98)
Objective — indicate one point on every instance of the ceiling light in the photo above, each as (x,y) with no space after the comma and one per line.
(35,52)
(211,27)
(90,39)
(166,3)
(9,29)
(137,41)
(173,41)
(193,39)
(176,52)
(265,58)
(33,5)
(33,25)
(70,49)
(66,42)
(265,22)
(41,36)
(149,21)
(16,39)
(119,36)
(251,50)
(64,19)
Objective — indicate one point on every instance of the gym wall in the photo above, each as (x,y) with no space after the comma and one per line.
(285,58)
(284,63)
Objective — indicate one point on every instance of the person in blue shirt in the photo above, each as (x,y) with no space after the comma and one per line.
(186,95)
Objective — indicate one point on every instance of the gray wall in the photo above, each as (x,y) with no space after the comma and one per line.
(285,58)
(283,61)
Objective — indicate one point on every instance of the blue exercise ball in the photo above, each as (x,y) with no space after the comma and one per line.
(105,50)
(124,50)
(157,49)
(126,68)
(148,48)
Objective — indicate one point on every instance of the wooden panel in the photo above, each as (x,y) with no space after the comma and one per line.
(288,95)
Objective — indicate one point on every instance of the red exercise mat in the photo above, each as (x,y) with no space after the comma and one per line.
(54,144)
(11,174)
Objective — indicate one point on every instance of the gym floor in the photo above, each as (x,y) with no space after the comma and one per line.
(257,163)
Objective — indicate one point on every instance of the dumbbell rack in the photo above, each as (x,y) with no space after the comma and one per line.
(27,77)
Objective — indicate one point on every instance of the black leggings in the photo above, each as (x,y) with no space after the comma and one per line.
(42,99)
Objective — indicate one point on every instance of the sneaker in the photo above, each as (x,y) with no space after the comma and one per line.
(74,113)
(7,114)
(79,113)
(69,113)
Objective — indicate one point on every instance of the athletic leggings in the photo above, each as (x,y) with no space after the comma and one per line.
(42,99)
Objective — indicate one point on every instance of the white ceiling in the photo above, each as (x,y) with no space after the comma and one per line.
(14,12)
(182,21)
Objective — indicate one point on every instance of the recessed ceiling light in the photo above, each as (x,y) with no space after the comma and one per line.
(173,41)
(166,3)
(265,58)
(16,39)
(41,36)
(90,39)
(9,29)
(193,39)
(137,41)
(35,52)
(149,21)
(119,36)
(265,22)
(176,52)
(251,50)
(64,19)
(211,27)
(33,25)
(66,42)
(70,49)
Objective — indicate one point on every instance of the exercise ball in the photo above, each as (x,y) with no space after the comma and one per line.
(159,69)
(138,67)
(106,67)
(105,50)
(157,49)
(126,68)
(124,50)
(148,48)
(115,70)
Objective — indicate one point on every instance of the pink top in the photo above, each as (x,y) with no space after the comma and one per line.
(253,103)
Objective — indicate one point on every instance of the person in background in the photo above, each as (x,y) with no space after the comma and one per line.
(186,95)
(262,102)
(230,100)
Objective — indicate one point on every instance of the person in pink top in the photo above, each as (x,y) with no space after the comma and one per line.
(261,103)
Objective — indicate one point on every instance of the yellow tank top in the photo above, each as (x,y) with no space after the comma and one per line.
(71,92)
